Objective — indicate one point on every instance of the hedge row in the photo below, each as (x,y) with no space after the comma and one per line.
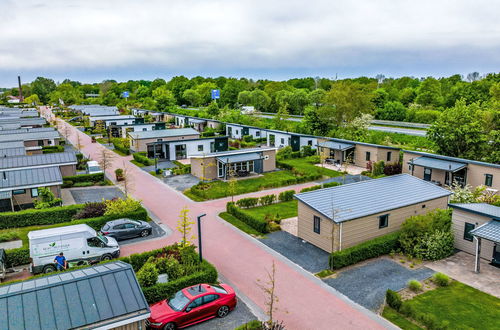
(96,177)
(257,224)
(120,147)
(325,185)
(52,149)
(33,217)
(366,250)
(138,157)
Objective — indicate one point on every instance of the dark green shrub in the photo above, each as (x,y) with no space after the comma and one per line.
(34,217)
(91,210)
(52,149)
(257,224)
(284,153)
(310,189)
(441,279)
(366,250)
(393,299)
(120,146)
(331,184)
(252,325)
(307,151)
(247,202)
(83,184)
(138,157)
(85,178)
(286,195)
(267,200)
(378,168)
(17,257)
(148,275)
(247,138)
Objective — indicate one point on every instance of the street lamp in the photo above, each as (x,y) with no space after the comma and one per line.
(199,236)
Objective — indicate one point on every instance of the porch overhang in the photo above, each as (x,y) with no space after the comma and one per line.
(230,159)
(341,146)
(438,164)
(489,231)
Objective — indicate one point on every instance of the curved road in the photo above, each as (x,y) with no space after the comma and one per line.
(305,302)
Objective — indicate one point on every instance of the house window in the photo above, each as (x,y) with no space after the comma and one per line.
(317,225)
(220,169)
(34,192)
(257,133)
(40,143)
(200,147)
(368,154)
(389,154)
(468,227)
(19,192)
(159,140)
(310,142)
(144,129)
(282,141)
(383,221)
(410,167)
(488,180)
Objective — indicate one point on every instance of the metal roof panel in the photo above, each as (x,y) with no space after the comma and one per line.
(489,231)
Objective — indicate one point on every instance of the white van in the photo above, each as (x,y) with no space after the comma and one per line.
(79,243)
(93,167)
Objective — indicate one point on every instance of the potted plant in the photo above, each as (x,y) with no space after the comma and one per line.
(93,139)
(119,174)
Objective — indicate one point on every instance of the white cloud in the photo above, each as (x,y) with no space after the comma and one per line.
(244,35)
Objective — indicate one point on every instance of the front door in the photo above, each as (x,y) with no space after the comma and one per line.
(427,174)
(180,151)
(496,255)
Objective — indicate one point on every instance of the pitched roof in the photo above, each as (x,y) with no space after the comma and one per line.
(112,117)
(11,144)
(355,200)
(52,159)
(89,297)
(22,121)
(163,133)
(29,136)
(489,231)
(21,179)
(485,209)
(234,152)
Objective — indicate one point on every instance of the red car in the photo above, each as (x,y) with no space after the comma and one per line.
(192,305)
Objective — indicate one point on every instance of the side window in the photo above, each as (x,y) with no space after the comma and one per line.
(200,147)
(317,225)
(209,298)
(467,235)
(282,141)
(383,221)
(118,227)
(389,155)
(488,180)
(94,242)
(129,225)
(257,133)
(34,192)
(196,303)
(368,154)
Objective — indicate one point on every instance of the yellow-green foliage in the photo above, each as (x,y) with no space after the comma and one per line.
(120,206)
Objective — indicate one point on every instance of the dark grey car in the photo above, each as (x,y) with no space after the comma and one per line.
(126,228)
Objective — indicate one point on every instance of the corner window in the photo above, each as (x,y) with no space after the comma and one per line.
(200,147)
(19,192)
(317,225)
(368,156)
(488,180)
(389,155)
(383,221)
(34,192)
(467,229)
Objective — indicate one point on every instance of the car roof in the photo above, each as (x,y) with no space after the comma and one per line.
(193,291)
(118,221)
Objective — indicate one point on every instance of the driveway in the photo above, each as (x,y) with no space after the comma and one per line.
(95,194)
(367,283)
(302,253)
(349,178)
(181,182)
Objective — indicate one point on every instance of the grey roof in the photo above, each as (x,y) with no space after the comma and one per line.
(336,145)
(112,117)
(26,130)
(355,200)
(11,152)
(236,152)
(197,121)
(439,164)
(88,297)
(454,159)
(52,159)
(29,136)
(19,179)
(485,209)
(11,144)
(161,133)
(22,121)
(239,158)
(489,231)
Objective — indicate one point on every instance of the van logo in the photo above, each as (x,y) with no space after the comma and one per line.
(52,244)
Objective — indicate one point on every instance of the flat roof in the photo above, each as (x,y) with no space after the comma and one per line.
(26,178)
(455,159)
(112,117)
(229,159)
(26,130)
(336,145)
(170,132)
(52,159)
(91,297)
(439,164)
(485,209)
(234,152)
(11,144)
(360,199)
(29,136)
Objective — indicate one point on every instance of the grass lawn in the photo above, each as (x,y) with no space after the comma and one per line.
(398,319)
(239,224)
(307,165)
(461,305)
(282,210)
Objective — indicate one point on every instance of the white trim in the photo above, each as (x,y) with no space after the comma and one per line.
(124,322)
(32,186)
(35,166)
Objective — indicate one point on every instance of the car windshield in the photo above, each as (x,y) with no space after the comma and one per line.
(105,227)
(137,223)
(102,238)
(219,289)
(179,301)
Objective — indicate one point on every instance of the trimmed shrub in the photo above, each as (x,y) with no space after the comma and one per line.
(441,279)
(267,200)
(393,299)
(307,151)
(247,202)
(286,196)
(138,157)
(17,257)
(366,250)
(438,245)
(96,177)
(310,189)
(52,149)
(331,184)
(118,145)
(148,275)
(257,224)
(83,184)
(119,206)
(91,210)
(414,285)
(34,217)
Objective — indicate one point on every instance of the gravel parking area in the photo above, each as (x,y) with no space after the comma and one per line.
(95,194)
(181,182)
(366,284)
(240,315)
(157,233)
(302,253)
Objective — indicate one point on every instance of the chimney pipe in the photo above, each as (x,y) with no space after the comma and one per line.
(20,89)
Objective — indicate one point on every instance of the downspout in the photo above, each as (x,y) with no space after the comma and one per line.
(340,237)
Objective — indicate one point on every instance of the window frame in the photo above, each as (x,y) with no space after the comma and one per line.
(317,224)
(200,147)
(34,195)
(368,156)
(385,218)
(488,178)
(389,156)
(18,192)
(467,231)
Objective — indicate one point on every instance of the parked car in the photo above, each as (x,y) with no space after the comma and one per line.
(192,305)
(126,228)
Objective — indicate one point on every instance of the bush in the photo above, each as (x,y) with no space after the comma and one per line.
(69,181)
(255,223)
(366,250)
(148,275)
(310,189)
(120,145)
(286,196)
(284,153)
(436,246)
(119,206)
(441,279)
(169,266)
(91,210)
(414,285)
(52,149)
(9,236)
(83,184)
(267,200)
(17,257)
(33,217)
(247,138)
(252,325)
(392,169)
(393,299)
(138,157)
(307,151)
(378,168)
(247,202)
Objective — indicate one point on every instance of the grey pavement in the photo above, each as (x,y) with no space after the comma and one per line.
(95,194)
(302,253)
(164,164)
(367,284)
(349,178)
(181,182)
(240,315)
(157,233)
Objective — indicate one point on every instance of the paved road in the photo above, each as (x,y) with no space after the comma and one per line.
(305,301)
(407,131)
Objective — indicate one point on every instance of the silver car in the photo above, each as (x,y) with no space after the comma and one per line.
(126,228)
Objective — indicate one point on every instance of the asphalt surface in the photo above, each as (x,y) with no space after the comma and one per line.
(302,253)
(367,284)
(181,182)
(407,131)
(157,233)
(84,195)
(349,178)
(240,315)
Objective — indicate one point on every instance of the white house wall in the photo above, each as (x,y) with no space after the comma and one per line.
(304,141)
(253,131)
(235,131)
(191,147)
(277,139)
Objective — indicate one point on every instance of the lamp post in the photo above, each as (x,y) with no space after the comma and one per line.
(199,236)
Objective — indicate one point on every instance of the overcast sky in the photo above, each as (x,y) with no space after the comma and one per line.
(93,40)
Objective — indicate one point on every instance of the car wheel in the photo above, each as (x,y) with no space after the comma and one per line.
(169,326)
(106,257)
(223,311)
(144,233)
(49,269)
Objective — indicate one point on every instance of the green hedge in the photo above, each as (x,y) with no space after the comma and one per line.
(142,159)
(33,217)
(120,147)
(366,250)
(52,149)
(97,177)
(257,224)
(17,257)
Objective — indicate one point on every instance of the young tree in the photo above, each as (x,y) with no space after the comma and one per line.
(204,166)
(268,287)
(128,179)
(184,226)
(281,117)
(105,159)
(78,142)
(231,187)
